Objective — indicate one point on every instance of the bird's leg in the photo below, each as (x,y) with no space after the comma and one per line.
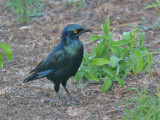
(63,101)
(56,88)
(70,96)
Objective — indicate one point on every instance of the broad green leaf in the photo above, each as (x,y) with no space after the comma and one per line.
(141,39)
(79,75)
(126,36)
(120,42)
(149,57)
(114,60)
(85,58)
(118,68)
(129,67)
(138,61)
(90,76)
(109,38)
(115,51)
(7,50)
(97,71)
(7,4)
(92,53)
(107,84)
(109,71)
(105,53)
(134,33)
(123,52)
(103,29)
(106,27)
(94,38)
(119,80)
(1,61)
(99,61)
(99,49)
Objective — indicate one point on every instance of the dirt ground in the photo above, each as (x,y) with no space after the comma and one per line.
(30,45)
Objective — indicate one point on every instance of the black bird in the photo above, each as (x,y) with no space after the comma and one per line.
(63,61)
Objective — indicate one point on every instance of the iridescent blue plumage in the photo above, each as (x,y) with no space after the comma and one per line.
(63,61)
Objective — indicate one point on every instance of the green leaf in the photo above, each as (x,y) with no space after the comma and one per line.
(130,37)
(134,32)
(79,75)
(107,84)
(7,50)
(7,4)
(138,67)
(106,27)
(114,60)
(129,66)
(119,103)
(120,42)
(115,51)
(92,53)
(90,76)
(85,58)
(141,39)
(109,71)
(149,59)
(126,36)
(118,68)
(99,49)
(123,52)
(94,38)
(1,61)
(99,61)
(119,80)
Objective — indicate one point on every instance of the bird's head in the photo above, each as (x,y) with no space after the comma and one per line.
(73,31)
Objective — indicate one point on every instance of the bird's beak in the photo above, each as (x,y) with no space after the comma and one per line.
(86,30)
(83,31)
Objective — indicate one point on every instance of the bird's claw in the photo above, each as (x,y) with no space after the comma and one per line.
(63,104)
(71,98)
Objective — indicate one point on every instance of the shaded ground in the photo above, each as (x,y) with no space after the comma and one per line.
(31,45)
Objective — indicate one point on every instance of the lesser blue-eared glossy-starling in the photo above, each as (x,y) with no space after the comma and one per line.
(63,61)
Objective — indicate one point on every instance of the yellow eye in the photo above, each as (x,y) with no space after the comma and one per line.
(75,31)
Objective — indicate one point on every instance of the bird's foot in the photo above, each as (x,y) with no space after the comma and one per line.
(64,104)
(63,101)
(46,99)
(71,98)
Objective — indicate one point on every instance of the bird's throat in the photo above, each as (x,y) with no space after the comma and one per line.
(73,48)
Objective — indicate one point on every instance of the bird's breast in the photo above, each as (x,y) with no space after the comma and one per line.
(74,48)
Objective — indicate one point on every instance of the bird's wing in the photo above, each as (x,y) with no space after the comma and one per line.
(32,71)
(55,60)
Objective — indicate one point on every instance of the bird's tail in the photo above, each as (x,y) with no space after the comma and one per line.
(38,75)
(30,78)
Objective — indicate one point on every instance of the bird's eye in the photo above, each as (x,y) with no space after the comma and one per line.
(75,31)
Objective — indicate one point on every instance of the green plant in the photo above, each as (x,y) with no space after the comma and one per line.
(154,4)
(7,50)
(143,25)
(111,60)
(144,107)
(24,9)
(78,3)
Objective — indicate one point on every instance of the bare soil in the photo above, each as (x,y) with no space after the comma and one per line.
(32,44)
